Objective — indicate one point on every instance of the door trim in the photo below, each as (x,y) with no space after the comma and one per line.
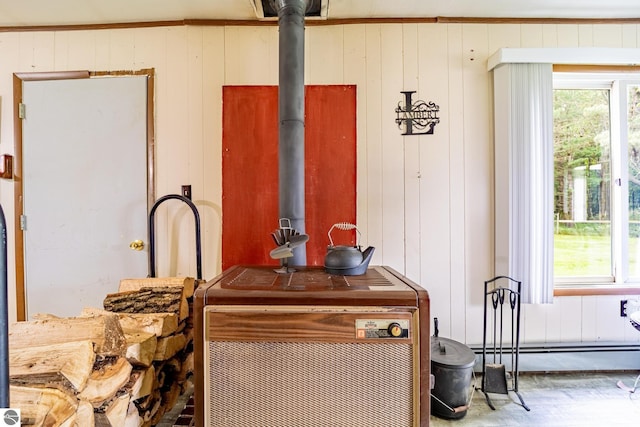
(18,80)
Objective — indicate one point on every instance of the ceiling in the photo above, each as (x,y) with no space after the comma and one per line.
(20,13)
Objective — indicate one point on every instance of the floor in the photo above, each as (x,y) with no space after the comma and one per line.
(555,400)
(560,399)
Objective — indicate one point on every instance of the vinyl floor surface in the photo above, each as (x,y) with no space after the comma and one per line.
(559,399)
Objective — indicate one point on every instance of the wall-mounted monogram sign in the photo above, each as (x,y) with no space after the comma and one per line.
(415,117)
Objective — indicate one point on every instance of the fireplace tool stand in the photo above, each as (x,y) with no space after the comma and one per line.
(494,374)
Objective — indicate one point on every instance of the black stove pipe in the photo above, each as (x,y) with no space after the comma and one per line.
(291,184)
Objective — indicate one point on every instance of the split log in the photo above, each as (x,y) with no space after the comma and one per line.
(159,324)
(157,417)
(141,382)
(170,396)
(187,366)
(73,360)
(168,373)
(59,383)
(44,316)
(169,346)
(188,333)
(133,417)
(42,406)
(181,327)
(116,411)
(104,331)
(149,406)
(70,422)
(147,300)
(141,347)
(186,284)
(84,414)
(101,420)
(105,380)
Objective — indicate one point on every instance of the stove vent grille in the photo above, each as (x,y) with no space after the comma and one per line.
(293,384)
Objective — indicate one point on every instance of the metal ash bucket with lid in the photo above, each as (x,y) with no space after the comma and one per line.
(452,368)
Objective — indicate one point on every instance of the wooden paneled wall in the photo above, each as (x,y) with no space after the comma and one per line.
(425,202)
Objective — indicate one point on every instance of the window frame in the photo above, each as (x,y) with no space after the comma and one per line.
(617,81)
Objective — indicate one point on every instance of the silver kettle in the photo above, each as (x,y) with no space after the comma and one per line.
(346,260)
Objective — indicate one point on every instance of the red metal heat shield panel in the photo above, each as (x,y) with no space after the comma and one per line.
(250,170)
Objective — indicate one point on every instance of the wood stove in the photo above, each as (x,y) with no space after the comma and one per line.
(310,348)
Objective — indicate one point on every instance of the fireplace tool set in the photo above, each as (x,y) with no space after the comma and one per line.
(494,374)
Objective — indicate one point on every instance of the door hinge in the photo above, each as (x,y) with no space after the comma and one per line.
(22,110)
(23,222)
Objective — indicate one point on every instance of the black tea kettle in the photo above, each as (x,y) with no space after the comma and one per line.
(346,260)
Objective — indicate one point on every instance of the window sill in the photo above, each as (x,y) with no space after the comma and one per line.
(594,289)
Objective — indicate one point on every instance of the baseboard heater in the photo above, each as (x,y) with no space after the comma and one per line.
(568,357)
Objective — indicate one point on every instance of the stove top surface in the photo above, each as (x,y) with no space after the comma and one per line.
(307,285)
(304,279)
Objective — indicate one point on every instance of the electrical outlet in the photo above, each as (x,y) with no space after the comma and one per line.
(623,308)
(186,191)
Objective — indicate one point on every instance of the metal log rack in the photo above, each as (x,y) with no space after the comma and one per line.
(152,250)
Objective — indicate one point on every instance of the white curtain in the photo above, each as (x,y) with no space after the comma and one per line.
(523,107)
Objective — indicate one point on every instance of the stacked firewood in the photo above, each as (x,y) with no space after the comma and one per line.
(124,365)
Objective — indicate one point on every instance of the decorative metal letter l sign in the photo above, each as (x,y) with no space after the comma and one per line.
(419,115)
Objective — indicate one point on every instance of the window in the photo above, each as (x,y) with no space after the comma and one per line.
(596,134)
(633,159)
(524,161)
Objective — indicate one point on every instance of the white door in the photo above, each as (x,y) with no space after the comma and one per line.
(84,190)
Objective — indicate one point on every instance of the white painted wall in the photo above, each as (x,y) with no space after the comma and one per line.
(425,202)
